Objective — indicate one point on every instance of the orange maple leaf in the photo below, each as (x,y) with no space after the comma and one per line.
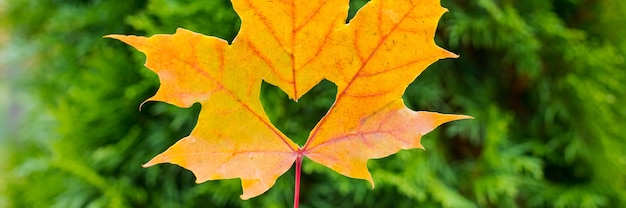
(294,45)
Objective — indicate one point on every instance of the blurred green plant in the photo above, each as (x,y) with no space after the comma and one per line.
(543,78)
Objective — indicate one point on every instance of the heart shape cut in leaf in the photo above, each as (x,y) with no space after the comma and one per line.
(294,44)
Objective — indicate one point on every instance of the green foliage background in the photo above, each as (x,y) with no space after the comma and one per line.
(543,78)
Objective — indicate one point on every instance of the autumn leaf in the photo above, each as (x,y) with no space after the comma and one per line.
(294,45)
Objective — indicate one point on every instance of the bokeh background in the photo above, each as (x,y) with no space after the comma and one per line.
(544,80)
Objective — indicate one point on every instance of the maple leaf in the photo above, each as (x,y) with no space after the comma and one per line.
(294,45)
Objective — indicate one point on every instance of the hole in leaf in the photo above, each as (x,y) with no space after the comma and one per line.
(297,119)
(355,6)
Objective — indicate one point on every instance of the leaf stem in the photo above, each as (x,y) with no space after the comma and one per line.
(296,195)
